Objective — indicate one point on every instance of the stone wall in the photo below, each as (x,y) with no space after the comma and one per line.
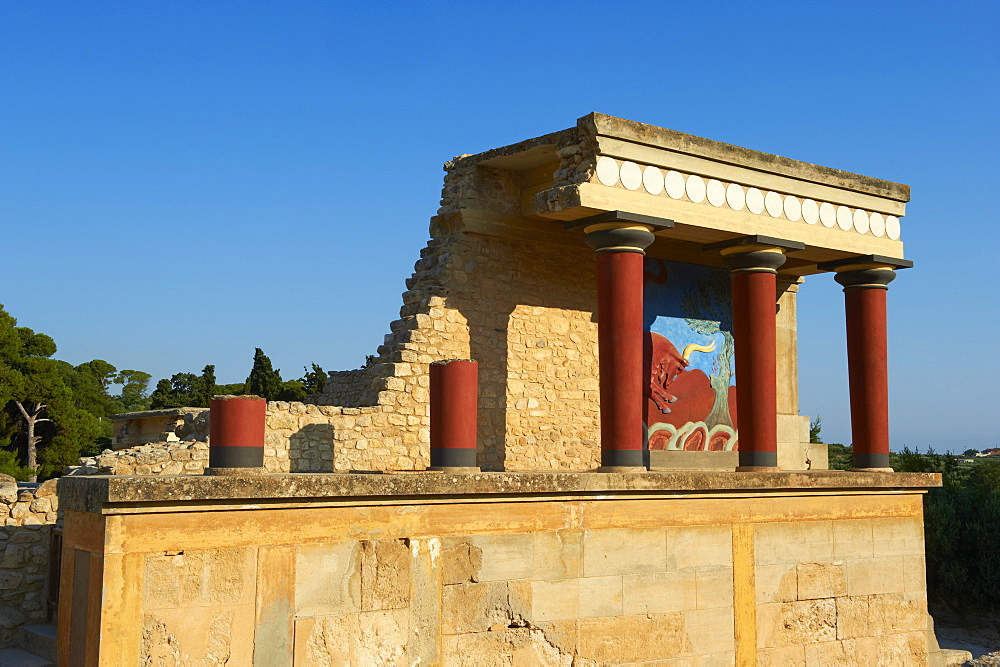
(407,568)
(158,458)
(28,518)
(525,313)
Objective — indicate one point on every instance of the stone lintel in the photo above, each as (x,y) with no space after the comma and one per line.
(623,217)
(146,493)
(755,241)
(866,261)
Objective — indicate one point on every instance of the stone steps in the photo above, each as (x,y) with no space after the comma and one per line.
(40,640)
(15,657)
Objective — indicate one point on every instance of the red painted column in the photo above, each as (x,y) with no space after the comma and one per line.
(236,433)
(454,395)
(868,368)
(620,253)
(754,279)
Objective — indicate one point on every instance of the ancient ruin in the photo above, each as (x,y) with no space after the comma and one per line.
(620,474)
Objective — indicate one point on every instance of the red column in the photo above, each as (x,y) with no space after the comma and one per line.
(754,279)
(236,433)
(868,368)
(454,408)
(620,253)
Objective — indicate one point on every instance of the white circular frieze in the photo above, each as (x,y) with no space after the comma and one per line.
(860,221)
(716,192)
(810,211)
(755,200)
(695,188)
(607,170)
(773,204)
(793,209)
(892,227)
(652,180)
(735,197)
(674,183)
(631,175)
(877,224)
(844,219)
(827,214)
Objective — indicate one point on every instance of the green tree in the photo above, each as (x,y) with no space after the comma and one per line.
(50,411)
(815,426)
(180,391)
(133,396)
(263,380)
(206,386)
(314,380)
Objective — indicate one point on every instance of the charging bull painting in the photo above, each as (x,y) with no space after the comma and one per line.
(688,356)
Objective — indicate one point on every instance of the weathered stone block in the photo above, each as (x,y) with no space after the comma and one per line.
(820,580)
(875,615)
(784,656)
(776,583)
(659,593)
(513,646)
(557,555)
(650,637)
(200,578)
(834,653)
(460,564)
(555,600)
(600,596)
(215,635)
(871,576)
(794,623)
(895,649)
(385,574)
(602,551)
(793,542)
(328,579)
(699,546)
(710,631)
(852,538)
(479,607)
(898,536)
(505,557)
(714,586)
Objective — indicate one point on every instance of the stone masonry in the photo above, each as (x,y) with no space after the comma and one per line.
(29,518)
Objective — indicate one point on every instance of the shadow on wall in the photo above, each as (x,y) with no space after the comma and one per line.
(24,576)
(514,315)
(310,449)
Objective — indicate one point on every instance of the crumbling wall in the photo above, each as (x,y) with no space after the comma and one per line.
(525,313)
(28,518)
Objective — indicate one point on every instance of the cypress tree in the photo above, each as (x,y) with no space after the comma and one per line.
(263,380)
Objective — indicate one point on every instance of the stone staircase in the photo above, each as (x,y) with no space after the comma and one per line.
(37,648)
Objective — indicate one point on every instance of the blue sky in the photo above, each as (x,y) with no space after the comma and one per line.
(181,182)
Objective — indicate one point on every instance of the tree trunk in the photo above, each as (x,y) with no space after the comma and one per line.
(31,419)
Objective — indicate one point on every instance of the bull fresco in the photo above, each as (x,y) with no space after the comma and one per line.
(689,358)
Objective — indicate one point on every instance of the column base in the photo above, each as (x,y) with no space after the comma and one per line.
(758,469)
(872,470)
(455,469)
(622,469)
(235,472)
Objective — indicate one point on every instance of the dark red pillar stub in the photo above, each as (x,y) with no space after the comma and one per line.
(868,369)
(620,251)
(454,408)
(236,435)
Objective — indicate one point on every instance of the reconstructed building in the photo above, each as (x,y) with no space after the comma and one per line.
(648,490)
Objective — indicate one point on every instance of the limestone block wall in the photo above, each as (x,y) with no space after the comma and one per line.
(28,520)
(525,313)
(802,578)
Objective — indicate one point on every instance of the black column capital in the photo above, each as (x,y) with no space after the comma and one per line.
(618,237)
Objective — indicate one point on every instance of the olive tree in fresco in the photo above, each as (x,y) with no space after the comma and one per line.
(708,310)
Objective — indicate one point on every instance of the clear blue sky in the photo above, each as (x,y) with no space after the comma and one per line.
(181,182)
